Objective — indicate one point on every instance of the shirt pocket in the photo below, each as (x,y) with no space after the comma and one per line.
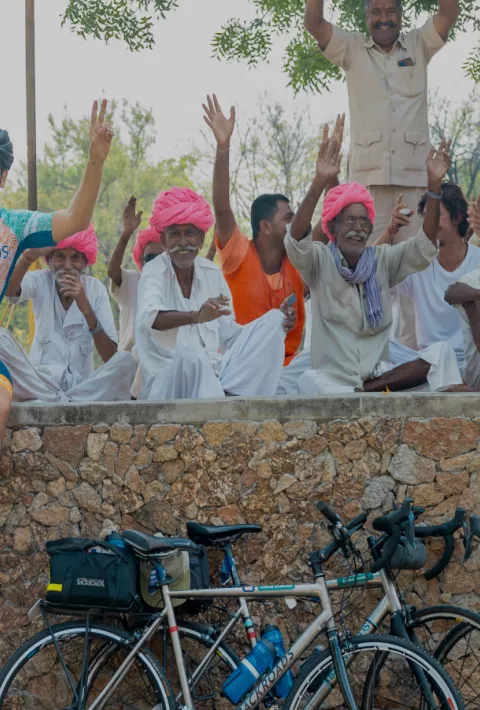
(81,351)
(367,153)
(416,151)
(43,350)
(412,80)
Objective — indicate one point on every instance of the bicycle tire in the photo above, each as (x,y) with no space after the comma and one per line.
(317,670)
(462,639)
(204,637)
(151,671)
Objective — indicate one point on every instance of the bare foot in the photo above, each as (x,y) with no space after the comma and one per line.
(458,388)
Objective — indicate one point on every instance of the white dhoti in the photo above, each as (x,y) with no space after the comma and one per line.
(111,382)
(444,372)
(251,366)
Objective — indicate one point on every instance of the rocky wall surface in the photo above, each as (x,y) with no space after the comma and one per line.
(87,480)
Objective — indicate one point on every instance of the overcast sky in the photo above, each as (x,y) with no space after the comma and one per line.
(172,79)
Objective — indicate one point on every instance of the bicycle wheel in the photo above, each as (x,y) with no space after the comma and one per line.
(45,673)
(396,686)
(452,635)
(196,640)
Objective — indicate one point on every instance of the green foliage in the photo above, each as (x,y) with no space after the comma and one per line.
(252,41)
(128,171)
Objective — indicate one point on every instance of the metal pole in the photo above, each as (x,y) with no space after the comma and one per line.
(31,129)
(31,115)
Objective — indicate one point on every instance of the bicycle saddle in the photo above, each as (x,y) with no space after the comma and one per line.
(151,545)
(213,534)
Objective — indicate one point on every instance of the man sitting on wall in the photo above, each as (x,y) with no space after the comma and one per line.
(72,316)
(188,342)
(350,282)
(124,282)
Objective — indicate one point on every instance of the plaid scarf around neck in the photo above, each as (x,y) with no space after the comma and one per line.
(364,273)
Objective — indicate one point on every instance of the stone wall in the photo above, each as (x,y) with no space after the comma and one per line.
(146,468)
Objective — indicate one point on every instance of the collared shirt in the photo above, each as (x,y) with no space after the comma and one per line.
(389,137)
(159,290)
(63,346)
(126,297)
(344,346)
(20,230)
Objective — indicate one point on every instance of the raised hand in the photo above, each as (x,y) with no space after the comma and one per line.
(101,134)
(131,221)
(400,216)
(438,161)
(222,127)
(212,309)
(329,156)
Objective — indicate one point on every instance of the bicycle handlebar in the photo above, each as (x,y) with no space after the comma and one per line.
(387,551)
(475,525)
(327,512)
(445,530)
(387,523)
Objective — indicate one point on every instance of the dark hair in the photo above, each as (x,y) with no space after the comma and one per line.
(6,152)
(264,207)
(454,202)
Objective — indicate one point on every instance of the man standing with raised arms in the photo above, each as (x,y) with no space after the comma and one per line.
(386,76)
(22,229)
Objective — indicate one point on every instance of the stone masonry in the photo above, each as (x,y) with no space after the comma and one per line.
(88,479)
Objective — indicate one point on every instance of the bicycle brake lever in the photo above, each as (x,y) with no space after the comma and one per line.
(467,541)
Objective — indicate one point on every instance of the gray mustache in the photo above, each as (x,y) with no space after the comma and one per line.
(174,250)
(350,235)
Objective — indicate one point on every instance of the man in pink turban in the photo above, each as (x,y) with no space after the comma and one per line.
(188,342)
(350,282)
(73,317)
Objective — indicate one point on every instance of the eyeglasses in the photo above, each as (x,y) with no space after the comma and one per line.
(364,222)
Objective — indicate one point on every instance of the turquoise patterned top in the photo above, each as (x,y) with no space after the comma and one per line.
(20,230)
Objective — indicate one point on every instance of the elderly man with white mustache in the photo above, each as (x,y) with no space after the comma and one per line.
(188,342)
(350,282)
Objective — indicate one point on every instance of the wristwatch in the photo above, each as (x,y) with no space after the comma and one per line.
(97,328)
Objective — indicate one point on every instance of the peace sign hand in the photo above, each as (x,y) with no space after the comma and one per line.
(222,127)
(101,134)
(329,156)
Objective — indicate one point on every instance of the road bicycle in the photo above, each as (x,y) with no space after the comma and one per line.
(87,665)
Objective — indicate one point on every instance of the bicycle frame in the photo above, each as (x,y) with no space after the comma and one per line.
(319,590)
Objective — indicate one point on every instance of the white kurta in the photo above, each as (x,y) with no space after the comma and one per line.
(60,365)
(126,296)
(208,359)
(471,368)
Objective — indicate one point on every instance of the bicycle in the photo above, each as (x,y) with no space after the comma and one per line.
(94,684)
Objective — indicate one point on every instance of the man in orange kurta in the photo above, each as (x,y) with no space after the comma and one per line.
(258,271)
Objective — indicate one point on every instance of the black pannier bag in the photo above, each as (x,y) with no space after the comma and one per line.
(92,574)
(199,579)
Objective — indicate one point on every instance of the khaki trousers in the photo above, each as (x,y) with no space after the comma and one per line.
(385,198)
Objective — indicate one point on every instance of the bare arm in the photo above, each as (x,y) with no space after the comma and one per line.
(445,18)
(327,169)
(397,221)
(438,163)
(460,294)
(131,222)
(212,309)
(222,129)
(29,257)
(473,315)
(318,235)
(77,217)
(316,24)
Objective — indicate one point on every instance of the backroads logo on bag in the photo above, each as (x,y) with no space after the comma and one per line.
(86,582)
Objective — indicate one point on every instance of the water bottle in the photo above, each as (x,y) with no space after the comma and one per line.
(260,659)
(273,635)
(115,538)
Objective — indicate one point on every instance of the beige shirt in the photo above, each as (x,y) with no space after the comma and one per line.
(389,137)
(126,297)
(344,346)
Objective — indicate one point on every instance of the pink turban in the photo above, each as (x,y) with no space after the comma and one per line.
(180,205)
(85,242)
(150,234)
(342,196)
